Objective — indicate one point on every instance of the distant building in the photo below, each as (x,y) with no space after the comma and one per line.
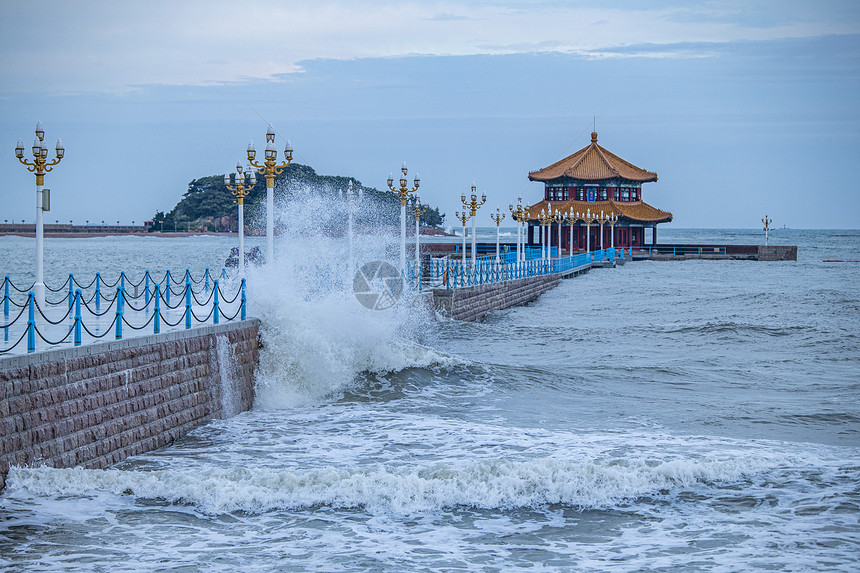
(596,180)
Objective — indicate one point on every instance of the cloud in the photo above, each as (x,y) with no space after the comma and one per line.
(97,45)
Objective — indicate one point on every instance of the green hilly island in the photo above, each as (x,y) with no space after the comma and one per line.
(208,205)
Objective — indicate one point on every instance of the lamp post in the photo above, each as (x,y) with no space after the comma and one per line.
(463,218)
(270,168)
(351,206)
(417,209)
(601,220)
(403,192)
(588,218)
(519,217)
(570,218)
(613,218)
(559,217)
(498,219)
(545,222)
(240,188)
(40,165)
(767,221)
(473,206)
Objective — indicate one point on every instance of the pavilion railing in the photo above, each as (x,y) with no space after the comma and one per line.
(100,309)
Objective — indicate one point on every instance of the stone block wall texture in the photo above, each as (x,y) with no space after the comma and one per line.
(472,303)
(95,405)
(777,253)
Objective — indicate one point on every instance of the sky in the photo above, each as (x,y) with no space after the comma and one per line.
(743,108)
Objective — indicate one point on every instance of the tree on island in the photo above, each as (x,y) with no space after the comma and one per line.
(208,205)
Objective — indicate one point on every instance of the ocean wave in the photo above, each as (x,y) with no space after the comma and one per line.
(736,328)
(485,484)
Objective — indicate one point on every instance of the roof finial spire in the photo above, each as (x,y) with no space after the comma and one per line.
(594,130)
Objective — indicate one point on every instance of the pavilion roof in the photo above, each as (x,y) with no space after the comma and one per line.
(634,211)
(593,163)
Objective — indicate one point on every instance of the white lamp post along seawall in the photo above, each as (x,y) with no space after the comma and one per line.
(403,192)
(497,218)
(243,183)
(40,165)
(473,206)
(463,217)
(518,216)
(351,207)
(270,168)
(418,209)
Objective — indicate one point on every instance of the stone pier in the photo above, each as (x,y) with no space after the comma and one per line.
(95,405)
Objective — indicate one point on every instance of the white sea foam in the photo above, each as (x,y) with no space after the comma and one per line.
(487,484)
(317,337)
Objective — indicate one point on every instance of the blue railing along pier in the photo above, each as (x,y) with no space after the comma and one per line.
(78,316)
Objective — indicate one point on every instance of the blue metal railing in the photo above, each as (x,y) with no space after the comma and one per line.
(451,273)
(78,315)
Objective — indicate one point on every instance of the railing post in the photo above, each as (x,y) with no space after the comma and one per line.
(206,280)
(215,309)
(31,323)
(187,276)
(71,291)
(156,321)
(167,288)
(122,280)
(120,295)
(78,317)
(146,290)
(223,273)
(6,297)
(187,301)
(243,299)
(98,291)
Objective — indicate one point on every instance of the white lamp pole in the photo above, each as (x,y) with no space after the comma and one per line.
(418,209)
(240,189)
(351,206)
(473,205)
(463,218)
(498,219)
(559,218)
(403,192)
(40,166)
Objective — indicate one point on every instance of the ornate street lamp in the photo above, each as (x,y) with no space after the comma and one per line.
(559,217)
(767,221)
(403,192)
(497,218)
(613,219)
(570,219)
(417,209)
(601,220)
(463,218)
(270,167)
(351,207)
(588,218)
(519,217)
(243,182)
(545,221)
(473,205)
(40,165)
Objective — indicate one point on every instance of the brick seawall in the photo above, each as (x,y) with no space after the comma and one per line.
(95,405)
(472,303)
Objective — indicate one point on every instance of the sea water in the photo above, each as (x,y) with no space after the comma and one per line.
(684,415)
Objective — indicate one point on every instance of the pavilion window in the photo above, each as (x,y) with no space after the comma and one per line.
(625,194)
(616,193)
(603,193)
(580,194)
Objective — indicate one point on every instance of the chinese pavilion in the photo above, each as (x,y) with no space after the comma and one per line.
(590,182)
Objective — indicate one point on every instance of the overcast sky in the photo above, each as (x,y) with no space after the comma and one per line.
(741,107)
